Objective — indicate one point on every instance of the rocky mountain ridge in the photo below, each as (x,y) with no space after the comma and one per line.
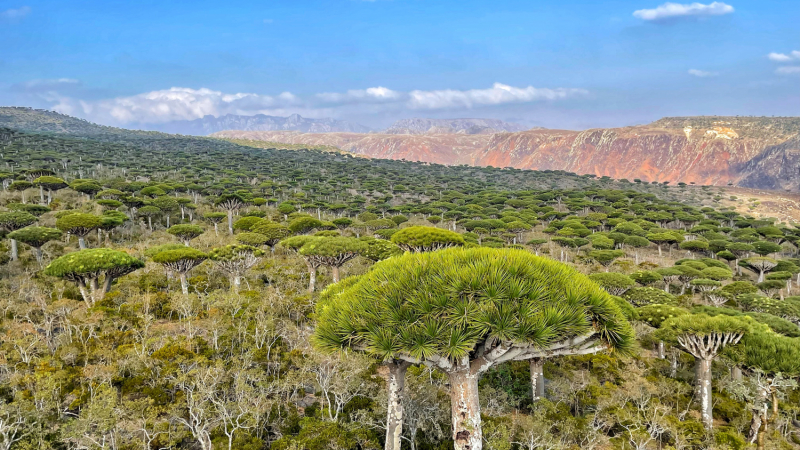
(760,152)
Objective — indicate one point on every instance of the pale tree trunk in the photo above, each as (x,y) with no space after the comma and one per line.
(661,354)
(236,282)
(537,378)
(39,258)
(14,250)
(184,284)
(216,229)
(395,386)
(150,222)
(703,390)
(312,276)
(335,273)
(465,410)
(673,364)
(81,242)
(230,221)
(41,195)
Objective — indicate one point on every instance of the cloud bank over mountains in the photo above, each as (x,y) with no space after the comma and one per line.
(182,103)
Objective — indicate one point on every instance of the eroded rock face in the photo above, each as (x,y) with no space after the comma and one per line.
(752,152)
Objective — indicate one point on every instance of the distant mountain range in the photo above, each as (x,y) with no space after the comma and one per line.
(260,122)
(760,152)
(452,126)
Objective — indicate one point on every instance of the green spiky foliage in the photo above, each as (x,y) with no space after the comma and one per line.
(379,224)
(252,239)
(469,297)
(333,252)
(79,224)
(641,296)
(773,361)
(739,287)
(36,210)
(247,223)
(614,283)
(379,249)
(657,314)
(645,277)
(14,220)
(605,257)
(50,184)
(765,248)
(626,308)
(694,246)
(771,287)
(235,260)
(716,273)
(180,261)
(788,308)
(153,251)
(704,337)
(769,352)
(185,232)
(35,237)
(760,265)
(704,284)
(466,310)
(88,268)
(426,239)
(274,232)
(303,225)
(775,323)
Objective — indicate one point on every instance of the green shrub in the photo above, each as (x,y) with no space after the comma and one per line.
(641,296)
(613,283)
(656,314)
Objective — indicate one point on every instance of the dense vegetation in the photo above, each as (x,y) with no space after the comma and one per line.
(167,292)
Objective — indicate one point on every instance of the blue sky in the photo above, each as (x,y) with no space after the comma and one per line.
(567,64)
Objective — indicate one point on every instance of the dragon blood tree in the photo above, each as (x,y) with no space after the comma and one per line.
(704,337)
(12,221)
(181,261)
(772,363)
(426,239)
(235,260)
(89,268)
(185,232)
(463,311)
(36,237)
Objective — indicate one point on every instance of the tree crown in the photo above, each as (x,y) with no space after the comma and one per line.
(446,303)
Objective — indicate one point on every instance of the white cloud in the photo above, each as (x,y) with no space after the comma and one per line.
(783,57)
(788,70)
(375,94)
(173,104)
(678,10)
(15,13)
(179,103)
(702,73)
(496,95)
